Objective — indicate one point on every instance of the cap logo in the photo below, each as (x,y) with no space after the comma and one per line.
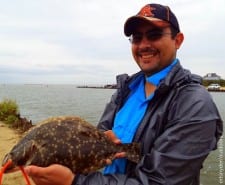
(147,11)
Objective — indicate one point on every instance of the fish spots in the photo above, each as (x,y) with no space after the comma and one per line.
(70,141)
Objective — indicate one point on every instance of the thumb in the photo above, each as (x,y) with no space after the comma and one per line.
(34,170)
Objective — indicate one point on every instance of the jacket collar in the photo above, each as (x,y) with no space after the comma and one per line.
(177,76)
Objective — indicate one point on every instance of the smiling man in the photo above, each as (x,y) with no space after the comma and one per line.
(163,107)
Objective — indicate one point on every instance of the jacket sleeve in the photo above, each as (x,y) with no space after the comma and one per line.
(191,132)
(192,129)
(107,118)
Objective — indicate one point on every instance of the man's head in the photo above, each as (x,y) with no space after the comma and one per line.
(155,37)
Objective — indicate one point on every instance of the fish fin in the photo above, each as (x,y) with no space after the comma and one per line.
(133,151)
(32,152)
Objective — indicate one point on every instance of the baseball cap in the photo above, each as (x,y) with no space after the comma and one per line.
(157,14)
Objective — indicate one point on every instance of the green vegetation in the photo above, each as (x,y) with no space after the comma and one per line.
(221,82)
(9,114)
(9,111)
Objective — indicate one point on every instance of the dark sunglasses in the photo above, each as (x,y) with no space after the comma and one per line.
(152,35)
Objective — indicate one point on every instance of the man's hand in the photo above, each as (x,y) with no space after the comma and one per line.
(110,134)
(54,174)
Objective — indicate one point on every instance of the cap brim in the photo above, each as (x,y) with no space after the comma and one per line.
(132,22)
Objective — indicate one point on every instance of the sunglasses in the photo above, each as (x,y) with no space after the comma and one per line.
(152,35)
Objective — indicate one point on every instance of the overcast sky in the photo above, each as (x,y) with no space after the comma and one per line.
(82,41)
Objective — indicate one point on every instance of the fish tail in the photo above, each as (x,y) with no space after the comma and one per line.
(133,151)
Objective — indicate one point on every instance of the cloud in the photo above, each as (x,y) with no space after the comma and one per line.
(80,41)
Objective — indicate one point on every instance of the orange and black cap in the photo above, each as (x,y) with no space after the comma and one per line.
(156,14)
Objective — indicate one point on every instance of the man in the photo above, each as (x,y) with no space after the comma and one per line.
(163,107)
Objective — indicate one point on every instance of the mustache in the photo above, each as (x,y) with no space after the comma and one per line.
(147,49)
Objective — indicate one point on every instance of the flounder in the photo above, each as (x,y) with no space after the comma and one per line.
(70,141)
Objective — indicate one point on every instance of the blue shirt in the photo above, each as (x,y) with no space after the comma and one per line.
(130,115)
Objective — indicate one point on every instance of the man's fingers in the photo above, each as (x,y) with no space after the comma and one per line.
(110,134)
(120,155)
(117,155)
(108,161)
(54,174)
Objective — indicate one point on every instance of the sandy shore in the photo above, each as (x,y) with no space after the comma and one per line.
(8,138)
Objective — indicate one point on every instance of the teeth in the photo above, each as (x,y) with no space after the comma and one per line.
(147,56)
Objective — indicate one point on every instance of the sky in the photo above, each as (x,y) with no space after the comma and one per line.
(82,41)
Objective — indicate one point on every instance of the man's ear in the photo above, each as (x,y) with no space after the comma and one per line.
(179,40)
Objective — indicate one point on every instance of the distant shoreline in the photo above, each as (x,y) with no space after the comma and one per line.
(98,87)
(222,89)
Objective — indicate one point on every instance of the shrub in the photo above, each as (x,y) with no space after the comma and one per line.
(11,119)
(221,82)
(8,110)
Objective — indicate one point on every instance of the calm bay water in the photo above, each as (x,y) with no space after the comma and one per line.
(38,102)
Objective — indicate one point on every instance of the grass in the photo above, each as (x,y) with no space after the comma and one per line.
(9,111)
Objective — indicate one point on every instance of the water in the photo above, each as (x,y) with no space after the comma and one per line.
(38,102)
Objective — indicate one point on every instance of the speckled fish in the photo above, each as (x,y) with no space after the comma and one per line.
(70,141)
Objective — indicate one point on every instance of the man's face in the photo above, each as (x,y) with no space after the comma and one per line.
(154,49)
